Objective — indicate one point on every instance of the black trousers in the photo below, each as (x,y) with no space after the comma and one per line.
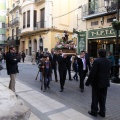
(23,59)
(69,71)
(98,98)
(55,72)
(62,74)
(82,75)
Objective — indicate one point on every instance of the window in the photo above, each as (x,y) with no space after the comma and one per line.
(110,19)
(24,20)
(3,25)
(28,18)
(35,18)
(17,31)
(3,36)
(94,23)
(42,11)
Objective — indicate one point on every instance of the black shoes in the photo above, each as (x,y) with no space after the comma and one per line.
(92,113)
(56,80)
(70,79)
(82,90)
(101,114)
(61,90)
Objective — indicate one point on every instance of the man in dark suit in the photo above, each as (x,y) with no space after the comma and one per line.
(69,66)
(53,60)
(99,79)
(62,67)
(12,67)
(84,66)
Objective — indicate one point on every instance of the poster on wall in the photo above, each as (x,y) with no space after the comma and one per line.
(81,41)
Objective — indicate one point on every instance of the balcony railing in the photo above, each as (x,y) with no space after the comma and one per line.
(14,21)
(38,1)
(94,9)
(15,37)
(40,24)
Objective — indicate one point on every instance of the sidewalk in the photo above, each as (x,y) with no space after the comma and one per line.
(49,109)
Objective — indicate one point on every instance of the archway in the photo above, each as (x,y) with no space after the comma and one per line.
(35,45)
(30,47)
(41,44)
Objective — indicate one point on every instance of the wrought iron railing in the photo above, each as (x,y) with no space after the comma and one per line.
(15,37)
(14,21)
(97,8)
(40,24)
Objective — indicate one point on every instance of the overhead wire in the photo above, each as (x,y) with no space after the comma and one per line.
(67,13)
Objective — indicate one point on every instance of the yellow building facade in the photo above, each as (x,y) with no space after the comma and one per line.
(39,22)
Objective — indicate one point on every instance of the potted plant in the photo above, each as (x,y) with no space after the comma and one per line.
(116,24)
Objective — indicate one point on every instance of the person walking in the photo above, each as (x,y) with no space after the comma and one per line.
(99,79)
(37,57)
(111,58)
(23,56)
(47,72)
(33,58)
(75,68)
(62,68)
(53,59)
(83,68)
(69,66)
(12,67)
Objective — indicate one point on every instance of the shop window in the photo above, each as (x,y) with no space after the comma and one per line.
(110,19)
(94,23)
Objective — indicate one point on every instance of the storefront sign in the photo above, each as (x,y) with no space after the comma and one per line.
(81,41)
(101,33)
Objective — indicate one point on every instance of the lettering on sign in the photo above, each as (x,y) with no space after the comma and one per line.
(102,33)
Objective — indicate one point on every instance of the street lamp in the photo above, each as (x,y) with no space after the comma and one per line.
(115,78)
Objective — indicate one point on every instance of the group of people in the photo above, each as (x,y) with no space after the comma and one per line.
(99,73)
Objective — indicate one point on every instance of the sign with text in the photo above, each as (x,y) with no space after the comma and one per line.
(101,33)
(81,41)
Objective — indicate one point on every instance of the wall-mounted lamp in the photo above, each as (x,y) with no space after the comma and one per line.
(102,20)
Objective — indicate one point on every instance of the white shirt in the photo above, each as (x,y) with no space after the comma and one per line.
(84,63)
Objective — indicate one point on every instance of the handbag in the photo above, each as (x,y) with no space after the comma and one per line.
(1,67)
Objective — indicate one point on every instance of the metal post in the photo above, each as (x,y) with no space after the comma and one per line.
(116,79)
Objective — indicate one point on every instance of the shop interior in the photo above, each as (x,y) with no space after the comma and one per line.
(107,44)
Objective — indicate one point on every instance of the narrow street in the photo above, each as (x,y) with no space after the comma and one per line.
(54,105)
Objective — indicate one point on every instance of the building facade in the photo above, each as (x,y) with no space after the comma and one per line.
(99,31)
(36,24)
(2,25)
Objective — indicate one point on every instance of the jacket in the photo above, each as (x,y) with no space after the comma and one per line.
(100,73)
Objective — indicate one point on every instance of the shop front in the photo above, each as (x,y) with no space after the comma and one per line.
(102,38)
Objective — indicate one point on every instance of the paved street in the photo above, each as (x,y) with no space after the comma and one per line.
(54,105)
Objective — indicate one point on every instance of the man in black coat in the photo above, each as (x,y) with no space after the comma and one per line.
(12,67)
(99,79)
(53,60)
(83,68)
(62,67)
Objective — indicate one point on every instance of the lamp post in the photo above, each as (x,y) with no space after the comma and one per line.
(115,78)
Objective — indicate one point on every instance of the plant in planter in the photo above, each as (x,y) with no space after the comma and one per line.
(116,25)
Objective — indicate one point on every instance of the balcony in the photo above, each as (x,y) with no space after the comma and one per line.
(7,26)
(94,9)
(39,1)
(39,25)
(14,21)
(13,41)
(15,6)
